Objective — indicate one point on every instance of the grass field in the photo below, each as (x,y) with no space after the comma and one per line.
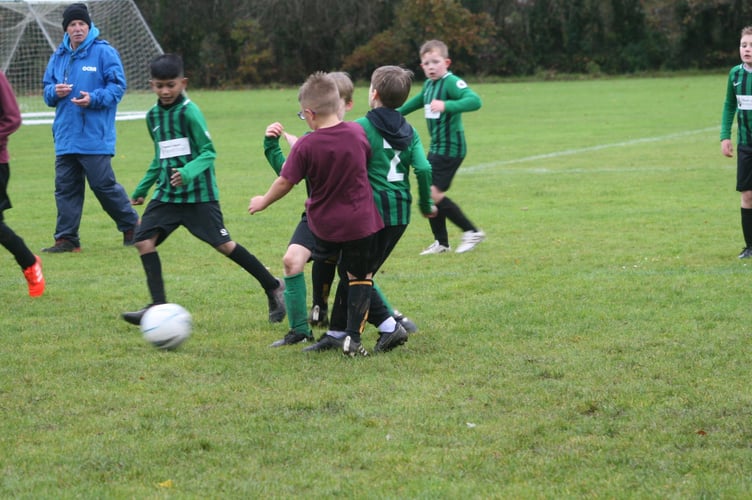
(596,345)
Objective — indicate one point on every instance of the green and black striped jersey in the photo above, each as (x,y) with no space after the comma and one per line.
(181,141)
(738,101)
(446,129)
(389,175)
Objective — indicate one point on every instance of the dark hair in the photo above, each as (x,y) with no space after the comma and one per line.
(166,67)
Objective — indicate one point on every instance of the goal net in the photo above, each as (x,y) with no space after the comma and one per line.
(30,30)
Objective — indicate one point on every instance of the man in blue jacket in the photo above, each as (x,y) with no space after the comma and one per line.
(84,82)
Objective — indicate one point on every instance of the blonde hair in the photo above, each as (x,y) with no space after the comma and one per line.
(319,93)
(393,85)
(747,30)
(345,85)
(436,45)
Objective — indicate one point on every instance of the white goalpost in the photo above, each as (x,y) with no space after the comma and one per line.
(30,30)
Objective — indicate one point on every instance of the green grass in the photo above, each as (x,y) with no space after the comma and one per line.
(596,345)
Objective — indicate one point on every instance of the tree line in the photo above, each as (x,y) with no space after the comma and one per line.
(231,43)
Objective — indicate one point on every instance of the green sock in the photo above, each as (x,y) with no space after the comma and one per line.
(383,299)
(295,302)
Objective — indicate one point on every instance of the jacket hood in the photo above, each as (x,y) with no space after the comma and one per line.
(93,34)
(392,126)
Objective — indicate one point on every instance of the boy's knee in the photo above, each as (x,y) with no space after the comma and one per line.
(295,260)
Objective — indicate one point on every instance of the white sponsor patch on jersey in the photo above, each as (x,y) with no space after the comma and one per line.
(744,102)
(174,148)
(461,84)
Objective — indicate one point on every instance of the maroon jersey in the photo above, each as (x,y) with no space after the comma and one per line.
(334,160)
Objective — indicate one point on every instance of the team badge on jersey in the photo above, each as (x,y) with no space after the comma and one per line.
(461,84)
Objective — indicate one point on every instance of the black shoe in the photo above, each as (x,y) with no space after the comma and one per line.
(746,253)
(62,246)
(353,348)
(134,317)
(129,237)
(325,343)
(293,337)
(407,323)
(276,298)
(388,341)
(318,317)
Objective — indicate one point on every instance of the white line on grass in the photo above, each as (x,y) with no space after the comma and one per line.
(570,152)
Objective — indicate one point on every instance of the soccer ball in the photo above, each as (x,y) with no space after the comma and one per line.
(166,326)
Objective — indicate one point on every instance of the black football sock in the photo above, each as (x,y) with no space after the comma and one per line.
(153,268)
(16,246)
(358,302)
(250,263)
(747,226)
(338,311)
(439,229)
(453,212)
(322,276)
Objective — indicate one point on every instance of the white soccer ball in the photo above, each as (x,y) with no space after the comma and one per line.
(166,326)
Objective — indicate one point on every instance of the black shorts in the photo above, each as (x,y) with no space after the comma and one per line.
(4,178)
(444,168)
(202,220)
(387,240)
(358,257)
(303,235)
(743,168)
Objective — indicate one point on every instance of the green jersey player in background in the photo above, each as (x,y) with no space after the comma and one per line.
(739,102)
(444,98)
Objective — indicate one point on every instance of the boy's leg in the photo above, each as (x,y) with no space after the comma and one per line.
(322,277)
(29,263)
(747,233)
(153,269)
(471,236)
(295,301)
(358,302)
(273,287)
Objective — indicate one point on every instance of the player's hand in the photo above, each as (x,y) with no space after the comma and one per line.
(176,179)
(83,99)
(137,201)
(438,106)
(434,212)
(256,205)
(727,149)
(274,130)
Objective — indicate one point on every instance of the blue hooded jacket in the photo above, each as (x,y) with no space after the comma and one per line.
(94,67)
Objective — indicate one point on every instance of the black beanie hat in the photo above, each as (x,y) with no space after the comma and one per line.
(76,11)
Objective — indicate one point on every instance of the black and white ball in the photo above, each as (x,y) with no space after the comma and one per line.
(166,326)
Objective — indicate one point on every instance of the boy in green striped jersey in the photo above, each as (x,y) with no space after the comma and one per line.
(739,101)
(444,98)
(186,192)
(395,147)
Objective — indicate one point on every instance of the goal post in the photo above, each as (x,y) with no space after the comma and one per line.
(30,30)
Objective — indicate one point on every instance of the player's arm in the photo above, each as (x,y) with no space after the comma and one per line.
(202,148)
(461,98)
(412,104)
(279,188)
(272,150)
(727,119)
(147,181)
(423,174)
